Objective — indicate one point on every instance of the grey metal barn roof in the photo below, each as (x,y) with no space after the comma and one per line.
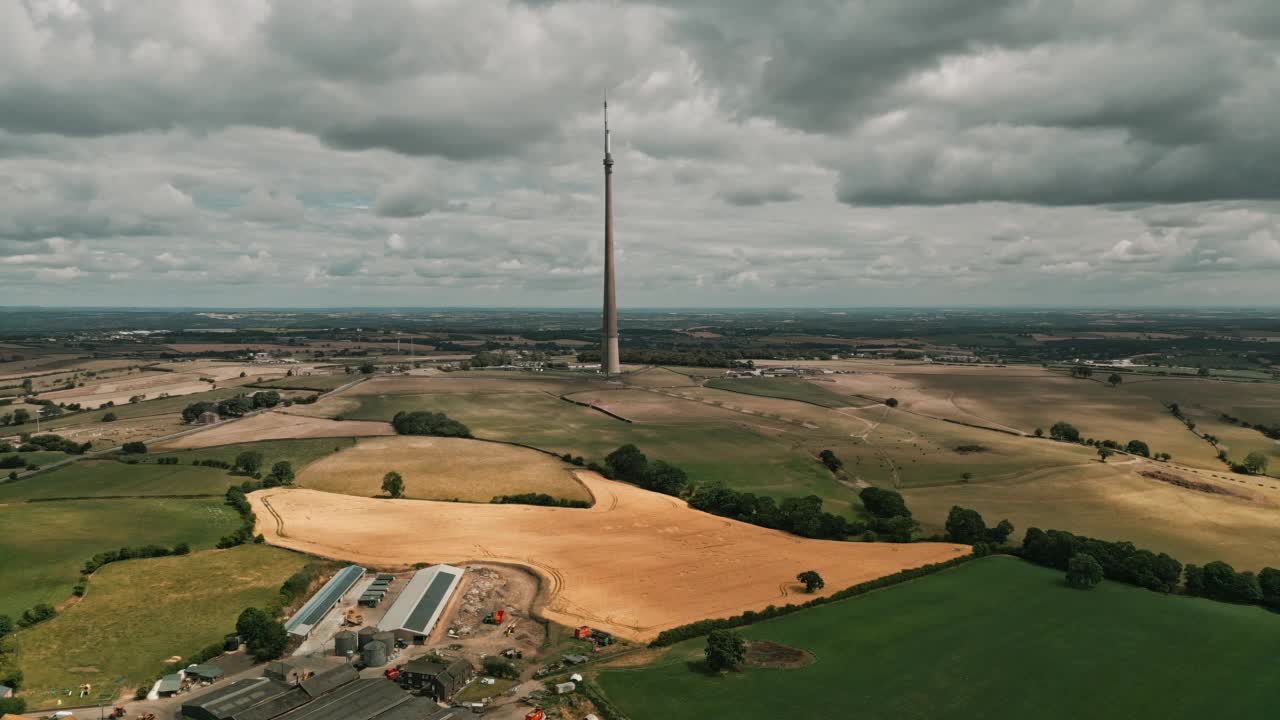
(323,601)
(230,700)
(422,601)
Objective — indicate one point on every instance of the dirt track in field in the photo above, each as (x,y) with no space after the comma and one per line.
(276,426)
(635,564)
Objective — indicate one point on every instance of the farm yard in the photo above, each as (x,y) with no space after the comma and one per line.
(443,469)
(109,637)
(694,565)
(993,637)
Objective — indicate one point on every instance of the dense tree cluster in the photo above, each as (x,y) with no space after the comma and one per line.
(967,527)
(135,447)
(725,650)
(425,422)
(801,516)
(264,636)
(630,465)
(812,581)
(1064,431)
(232,407)
(890,521)
(1083,571)
(1121,561)
(53,443)
(393,484)
(829,459)
(236,498)
(1219,581)
(539,499)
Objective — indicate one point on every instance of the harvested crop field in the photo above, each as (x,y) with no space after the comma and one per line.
(635,564)
(443,469)
(275,426)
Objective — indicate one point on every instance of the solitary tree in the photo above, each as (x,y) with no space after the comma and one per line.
(1115,379)
(1083,571)
(812,580)
(1137,447)
(1065,431)
(109,417)
(393,484)
(1256,462)
(1039,432)
(891,402)
(1203,371)
(725,650)
(1104,453)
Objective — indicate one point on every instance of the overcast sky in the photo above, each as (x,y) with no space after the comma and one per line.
(422,153)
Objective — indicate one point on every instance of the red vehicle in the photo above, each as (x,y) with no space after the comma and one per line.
(582,633)
(391,673)
(535,714)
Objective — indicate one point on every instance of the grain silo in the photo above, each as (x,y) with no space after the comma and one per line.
(366,634)
(344,643)
(386,638)
(375,654)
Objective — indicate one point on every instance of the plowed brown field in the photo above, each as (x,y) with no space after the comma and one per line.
(635,564)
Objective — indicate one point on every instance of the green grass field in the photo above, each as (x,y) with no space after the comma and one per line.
(298,452)
(110,478)
(708,451)
(44,545)
(39,457)
(321,383)
(994,638)
(146,408)
(786,389)
(140,612)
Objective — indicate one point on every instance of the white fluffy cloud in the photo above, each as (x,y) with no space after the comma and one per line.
(914,151)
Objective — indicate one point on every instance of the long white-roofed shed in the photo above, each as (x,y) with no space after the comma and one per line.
(423,600)
(314,610)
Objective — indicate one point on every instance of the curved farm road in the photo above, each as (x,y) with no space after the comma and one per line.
(635,564)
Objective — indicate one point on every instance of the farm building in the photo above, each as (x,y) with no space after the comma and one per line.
(420,605)
(335,694)
(169,685)
(438,680)
(205,673)
(314,610)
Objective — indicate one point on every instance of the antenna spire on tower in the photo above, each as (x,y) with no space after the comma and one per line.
(606,123)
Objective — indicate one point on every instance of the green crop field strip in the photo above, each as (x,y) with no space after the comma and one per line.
(45,544)
(297,452)
(785,389)
(321,383)
(994,638)
(115,631)
(110,478)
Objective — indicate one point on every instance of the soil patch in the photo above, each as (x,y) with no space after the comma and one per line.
(1179,481)
(769,654)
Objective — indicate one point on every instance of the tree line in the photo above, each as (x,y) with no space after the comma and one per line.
(233,407)
(703,627)
(1064,431)
(1122,562)
(538,499)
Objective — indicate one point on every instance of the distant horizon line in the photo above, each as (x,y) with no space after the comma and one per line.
(638,308)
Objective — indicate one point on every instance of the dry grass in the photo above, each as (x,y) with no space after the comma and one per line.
(1114,502)
(275,426)
(636,563)
(443,469)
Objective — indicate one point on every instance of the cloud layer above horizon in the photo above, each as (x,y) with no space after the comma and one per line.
(433,153)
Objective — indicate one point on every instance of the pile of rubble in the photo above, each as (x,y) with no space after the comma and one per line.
(486,592)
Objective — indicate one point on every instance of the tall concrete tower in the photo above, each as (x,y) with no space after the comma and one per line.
(609,363)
